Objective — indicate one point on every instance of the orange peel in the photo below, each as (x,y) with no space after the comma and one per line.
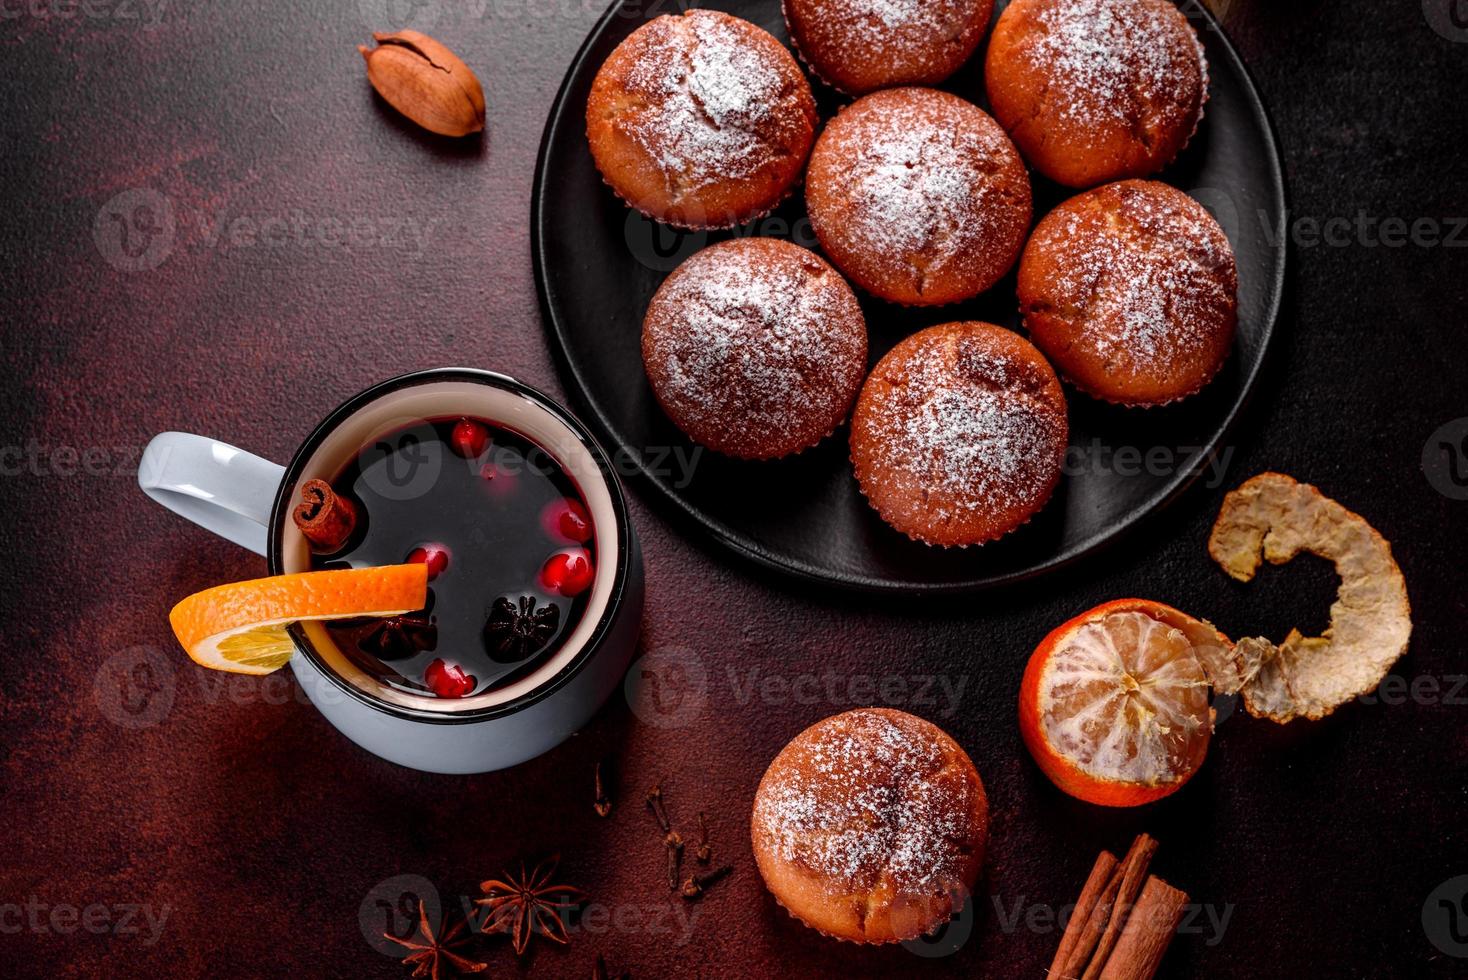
(241,626)
(1274,517)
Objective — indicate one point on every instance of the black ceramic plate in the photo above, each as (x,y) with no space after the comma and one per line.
(597,264)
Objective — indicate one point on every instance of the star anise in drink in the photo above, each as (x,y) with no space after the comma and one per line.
(516,630)
(525,904)
(429,952)
(400,636)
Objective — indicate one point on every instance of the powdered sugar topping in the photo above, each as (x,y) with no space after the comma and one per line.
(719,106)
(980,444)
(1150,276)
(866,798)
(1116,59)
(757,343)
(929,183)
(891,13)
(917,29)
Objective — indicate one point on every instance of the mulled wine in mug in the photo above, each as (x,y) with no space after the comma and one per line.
(535,575)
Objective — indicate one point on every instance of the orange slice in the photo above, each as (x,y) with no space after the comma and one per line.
(1114,704)
(241,627)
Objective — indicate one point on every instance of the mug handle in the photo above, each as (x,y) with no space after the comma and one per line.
(218,487)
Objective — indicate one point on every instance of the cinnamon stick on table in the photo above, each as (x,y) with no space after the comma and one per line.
(1133,875)
(1078,931)
(1122,922)
(1148,930)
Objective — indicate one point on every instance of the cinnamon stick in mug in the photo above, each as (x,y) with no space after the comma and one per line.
(325,517)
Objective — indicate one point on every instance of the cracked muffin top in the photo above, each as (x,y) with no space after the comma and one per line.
(1132,290)
(918,196)
(701,120)
(755,347)
(1096,90)
(871,826)
(960,434)
(860,46)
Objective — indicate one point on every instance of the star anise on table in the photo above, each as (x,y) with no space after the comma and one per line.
(528,903)
(516,633)
(429,953)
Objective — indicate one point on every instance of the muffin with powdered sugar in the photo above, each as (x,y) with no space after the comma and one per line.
(918,196)
(755,347)
(1131,290)
(870,826)
(1096,90)
(701,120)
(859,46)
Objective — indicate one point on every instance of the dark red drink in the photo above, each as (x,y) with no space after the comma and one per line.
(507,539)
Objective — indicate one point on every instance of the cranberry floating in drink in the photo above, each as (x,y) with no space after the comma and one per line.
(507,539)
(476,668)
(447,680)
(469,438)
(568,573)
(435,556)
(567,519)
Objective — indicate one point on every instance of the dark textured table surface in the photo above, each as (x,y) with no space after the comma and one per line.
(161,821)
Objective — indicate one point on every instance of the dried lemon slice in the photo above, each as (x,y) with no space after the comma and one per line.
(1275,517)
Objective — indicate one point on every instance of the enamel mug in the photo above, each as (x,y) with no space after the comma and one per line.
(249,500)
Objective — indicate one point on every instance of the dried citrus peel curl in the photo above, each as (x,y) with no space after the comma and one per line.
(1275,517)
